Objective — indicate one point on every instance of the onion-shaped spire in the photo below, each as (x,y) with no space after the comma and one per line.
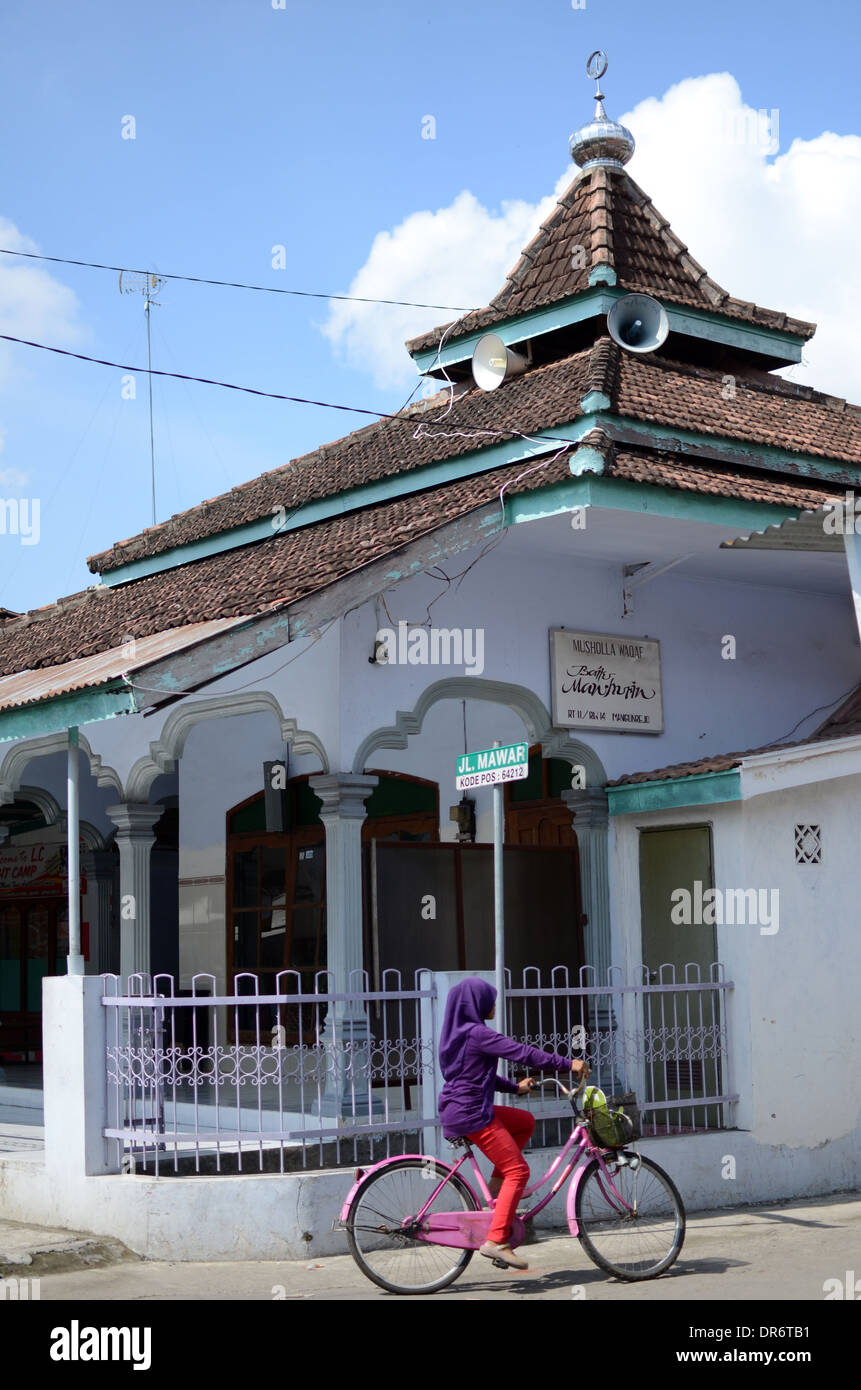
(602,141)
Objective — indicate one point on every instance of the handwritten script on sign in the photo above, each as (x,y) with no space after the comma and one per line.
(605,682)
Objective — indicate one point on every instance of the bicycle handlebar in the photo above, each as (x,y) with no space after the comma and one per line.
(572,1095)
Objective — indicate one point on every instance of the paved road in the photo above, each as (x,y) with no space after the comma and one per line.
(786,1252)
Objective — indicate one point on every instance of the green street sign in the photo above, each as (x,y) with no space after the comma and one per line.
(507,764)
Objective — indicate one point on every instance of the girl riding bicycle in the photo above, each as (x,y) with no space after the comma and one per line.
(469,1053)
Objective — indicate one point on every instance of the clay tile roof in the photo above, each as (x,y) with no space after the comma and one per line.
(284,569)
(762,409)
(608,215)
(425,433)
(843,723)
(765,410)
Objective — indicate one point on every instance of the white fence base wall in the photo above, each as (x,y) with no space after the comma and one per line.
(289,1215)
(269,1216)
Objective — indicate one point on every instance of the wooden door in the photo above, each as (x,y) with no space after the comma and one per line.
(685,1021)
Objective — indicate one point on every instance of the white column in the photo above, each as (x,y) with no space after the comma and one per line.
(135,839)
(852,546)
(347,1031)
(343,796)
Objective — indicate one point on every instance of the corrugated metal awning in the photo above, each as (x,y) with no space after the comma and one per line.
(33,687)
(804,532)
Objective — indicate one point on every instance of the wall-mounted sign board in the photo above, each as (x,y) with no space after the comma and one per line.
(606,683)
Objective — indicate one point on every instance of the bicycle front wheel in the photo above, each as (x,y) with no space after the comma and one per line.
(639,1237)
(379,1227)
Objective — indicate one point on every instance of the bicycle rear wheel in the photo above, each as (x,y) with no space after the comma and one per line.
(634,1244)
(378,1227)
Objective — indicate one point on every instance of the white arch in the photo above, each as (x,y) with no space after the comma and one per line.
(167,748)
(20,755)
(55,815)
(555,743)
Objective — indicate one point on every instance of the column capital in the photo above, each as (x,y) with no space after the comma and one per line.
(343,794)
(589,808)
(135,819)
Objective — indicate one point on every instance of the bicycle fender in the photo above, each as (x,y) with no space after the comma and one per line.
(571,1203)
(385,1163)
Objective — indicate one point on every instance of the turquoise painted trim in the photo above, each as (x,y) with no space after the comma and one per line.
(602,275)
(701,789)
(594,400)
(259,632)
(470,465)
(585,305)
(66,712)
(673,440)
(593,491)
(695,323)
(586,460)
(384,490)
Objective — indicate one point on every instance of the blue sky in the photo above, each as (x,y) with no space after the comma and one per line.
(301,127)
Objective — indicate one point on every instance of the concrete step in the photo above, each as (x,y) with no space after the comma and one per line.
(30,1251)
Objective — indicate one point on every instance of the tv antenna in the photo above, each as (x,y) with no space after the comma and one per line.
(148,284)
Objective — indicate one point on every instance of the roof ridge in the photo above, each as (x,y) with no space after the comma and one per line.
(537,242)
(660,224)
(601,218)
(602,373)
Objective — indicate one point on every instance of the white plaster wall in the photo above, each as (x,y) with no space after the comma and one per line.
(795,651)
(793,1012)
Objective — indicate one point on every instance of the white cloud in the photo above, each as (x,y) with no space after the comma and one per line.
(779,230)
(32,303)
(458,255)
(13,480)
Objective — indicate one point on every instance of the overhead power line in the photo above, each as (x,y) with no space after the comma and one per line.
(270,395)
(235,284)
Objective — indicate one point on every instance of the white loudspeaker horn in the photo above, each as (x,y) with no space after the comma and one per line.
(638,323)
(493,362)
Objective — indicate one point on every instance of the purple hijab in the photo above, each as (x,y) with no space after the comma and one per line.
(468,1003)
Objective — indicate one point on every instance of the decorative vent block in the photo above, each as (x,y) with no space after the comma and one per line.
(808,844)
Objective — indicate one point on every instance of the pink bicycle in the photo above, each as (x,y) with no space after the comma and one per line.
(414,1223)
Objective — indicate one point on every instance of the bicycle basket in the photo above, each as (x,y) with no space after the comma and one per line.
(614,1121)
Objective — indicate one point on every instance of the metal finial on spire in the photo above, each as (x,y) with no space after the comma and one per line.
(602,141)
(596,65)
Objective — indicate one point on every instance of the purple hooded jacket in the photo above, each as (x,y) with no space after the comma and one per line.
(469,1054)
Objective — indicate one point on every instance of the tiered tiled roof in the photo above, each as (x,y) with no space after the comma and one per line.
(607,214)
(764,410)
(612,219)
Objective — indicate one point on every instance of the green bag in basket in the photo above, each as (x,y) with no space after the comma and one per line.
(612,1129)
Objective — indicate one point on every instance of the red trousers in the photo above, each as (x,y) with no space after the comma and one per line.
(503,1142)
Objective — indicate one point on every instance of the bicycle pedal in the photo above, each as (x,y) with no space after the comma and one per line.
(499,1264)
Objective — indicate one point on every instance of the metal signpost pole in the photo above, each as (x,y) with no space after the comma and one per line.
(498,904)
(492,767)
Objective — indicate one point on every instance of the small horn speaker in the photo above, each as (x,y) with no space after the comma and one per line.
(493,362)
(638,323)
